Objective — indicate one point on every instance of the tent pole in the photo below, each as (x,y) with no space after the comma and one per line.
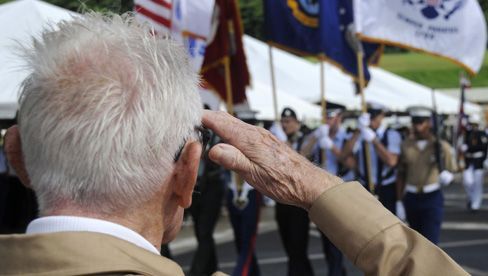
(323,103)
(273,82)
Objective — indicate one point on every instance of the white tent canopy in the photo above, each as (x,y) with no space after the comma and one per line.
(19,21)
(298,77)
(260,99)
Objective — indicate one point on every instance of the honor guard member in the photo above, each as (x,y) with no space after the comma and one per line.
(327,142)
(420,178)
(293,222)
(205,211)
(474,150)
(384,148)
(244,206)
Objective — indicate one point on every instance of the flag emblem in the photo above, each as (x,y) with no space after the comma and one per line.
(305,11)
(433,9)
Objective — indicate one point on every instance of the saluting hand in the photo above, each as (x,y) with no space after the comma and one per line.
(269,165)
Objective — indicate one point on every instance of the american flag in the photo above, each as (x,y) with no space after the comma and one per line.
(189,22)
(156,12)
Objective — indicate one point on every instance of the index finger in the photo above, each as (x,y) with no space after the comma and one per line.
(227,127)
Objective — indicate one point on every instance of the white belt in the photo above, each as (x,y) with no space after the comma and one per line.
(425,189)
(477,154)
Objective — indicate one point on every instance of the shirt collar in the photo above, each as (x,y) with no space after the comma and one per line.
(53,224)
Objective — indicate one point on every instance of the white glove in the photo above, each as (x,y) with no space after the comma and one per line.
(446,177)
(400,210)
(368,134)
(364,120)
(278,132)
(321,131)
(464,147)
(326,143)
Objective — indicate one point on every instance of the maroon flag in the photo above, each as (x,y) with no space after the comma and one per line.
(227,44)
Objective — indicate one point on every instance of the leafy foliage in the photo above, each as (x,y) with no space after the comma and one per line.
(253,18)
(120,6)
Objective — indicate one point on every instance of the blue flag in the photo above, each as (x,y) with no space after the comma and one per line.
(315,27)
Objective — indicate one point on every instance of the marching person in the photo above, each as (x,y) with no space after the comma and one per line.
(384,148)
(205,211)
(419,180)
(244,206)
(293,222)
(326,142)
(474,151)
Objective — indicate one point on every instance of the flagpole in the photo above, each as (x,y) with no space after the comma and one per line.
(273,82)
(228,86)
(364,109)
(323,103)
(463,83)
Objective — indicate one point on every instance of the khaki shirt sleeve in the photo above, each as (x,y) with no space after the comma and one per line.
(449,164)
(373,238)
(402,167)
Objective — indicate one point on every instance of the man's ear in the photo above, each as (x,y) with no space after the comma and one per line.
(185,173)
(15,155)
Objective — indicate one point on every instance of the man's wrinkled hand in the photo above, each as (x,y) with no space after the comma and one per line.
(269,165)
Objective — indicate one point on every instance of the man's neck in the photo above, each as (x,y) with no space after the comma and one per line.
(427,136)
(146,221)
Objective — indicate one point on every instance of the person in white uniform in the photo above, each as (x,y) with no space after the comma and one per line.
(474,151)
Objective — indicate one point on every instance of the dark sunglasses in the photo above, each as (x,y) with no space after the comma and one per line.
(203,137)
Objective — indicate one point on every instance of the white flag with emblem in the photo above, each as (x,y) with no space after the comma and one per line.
(186,21)
(454,29)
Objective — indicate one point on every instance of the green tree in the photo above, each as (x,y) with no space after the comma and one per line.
(253,17)
(120,6)
(484,7)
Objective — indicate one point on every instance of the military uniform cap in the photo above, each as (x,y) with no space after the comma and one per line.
(288,112)
(375,109)
(474,119)
(333,112)
(420,112)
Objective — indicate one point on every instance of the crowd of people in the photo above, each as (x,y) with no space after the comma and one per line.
(110,139)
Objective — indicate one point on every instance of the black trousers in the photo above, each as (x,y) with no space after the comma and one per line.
(205,211)
(387,196)
(333,257)
(293,226)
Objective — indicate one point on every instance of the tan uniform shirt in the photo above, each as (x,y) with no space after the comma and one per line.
(372,237)
(418,167)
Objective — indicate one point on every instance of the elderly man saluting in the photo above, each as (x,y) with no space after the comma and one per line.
(108,138)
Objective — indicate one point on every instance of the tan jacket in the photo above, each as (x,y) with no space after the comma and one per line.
(418,167)
(373,238)
(79,253)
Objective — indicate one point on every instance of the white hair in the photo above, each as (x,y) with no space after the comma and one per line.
(103,113)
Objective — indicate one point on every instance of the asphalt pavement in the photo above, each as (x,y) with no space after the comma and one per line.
(464,237)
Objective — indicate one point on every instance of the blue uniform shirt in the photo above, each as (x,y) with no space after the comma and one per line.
(332,162)
(394,146)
